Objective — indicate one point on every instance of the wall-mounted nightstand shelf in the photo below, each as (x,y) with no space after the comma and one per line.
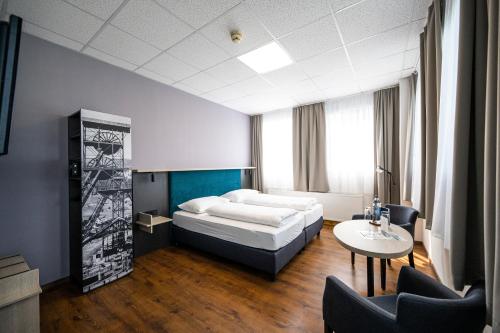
(147,221)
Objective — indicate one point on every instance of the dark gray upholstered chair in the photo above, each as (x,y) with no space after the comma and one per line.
(421,304)
(405,217)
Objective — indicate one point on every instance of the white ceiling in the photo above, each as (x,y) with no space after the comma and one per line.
(340,47)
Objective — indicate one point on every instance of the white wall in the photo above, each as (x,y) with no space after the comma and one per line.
(337,207)
(438,255)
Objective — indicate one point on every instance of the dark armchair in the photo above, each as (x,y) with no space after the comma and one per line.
(421,305)
(405,217)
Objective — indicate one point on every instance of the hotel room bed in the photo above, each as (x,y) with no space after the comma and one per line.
(210,234)
(313,222)
(262,247)
(244,233)
(255,246)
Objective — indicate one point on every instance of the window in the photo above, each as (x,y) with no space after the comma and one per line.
(349,144)
(446,133)
(277,150)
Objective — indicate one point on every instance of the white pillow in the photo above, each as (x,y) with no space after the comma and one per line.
(200,205)
(239,195)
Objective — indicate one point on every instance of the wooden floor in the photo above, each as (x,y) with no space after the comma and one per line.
(182,290)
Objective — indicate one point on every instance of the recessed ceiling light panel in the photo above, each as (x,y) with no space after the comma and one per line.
(266,58)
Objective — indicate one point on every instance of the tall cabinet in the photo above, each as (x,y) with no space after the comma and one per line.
(100,198)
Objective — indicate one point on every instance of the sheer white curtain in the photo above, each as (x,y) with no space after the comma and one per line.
(447,103)
(417,149)
(277,150)
(349,144)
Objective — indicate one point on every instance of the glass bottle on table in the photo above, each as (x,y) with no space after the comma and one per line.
(376,210)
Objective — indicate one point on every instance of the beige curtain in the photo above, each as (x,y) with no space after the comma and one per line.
(256,151)
(430,59)
(309,148)
(386,131)
(407,101)
(475,195)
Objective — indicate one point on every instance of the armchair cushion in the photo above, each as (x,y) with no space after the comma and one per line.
(386,302)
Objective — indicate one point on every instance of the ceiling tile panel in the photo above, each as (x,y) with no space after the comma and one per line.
(122,45)
(371,17)
(377,67)
(202,82)
(152,23)
(284,16)
(380,82)
(186,88)
(231,71)
(50,36)
(198,12)
(310,97)
(416,28)
(157,39)
(168,66)
(226,93)
(261,102)
(334,79)
(109,59)
(421,9)
(379,46)
(312,39)
(198,51)
(154,76)
(342,4)
(411,58)
(326,62)
(299,88)
(254,85)
(100,8)
(349,88)
(57,16)
(286,75)
(241,19)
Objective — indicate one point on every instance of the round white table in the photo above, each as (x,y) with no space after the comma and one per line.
(348,234)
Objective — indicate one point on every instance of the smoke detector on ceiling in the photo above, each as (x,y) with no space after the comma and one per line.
(236,36)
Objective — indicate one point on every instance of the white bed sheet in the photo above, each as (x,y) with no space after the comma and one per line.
(244,233)
(313,214)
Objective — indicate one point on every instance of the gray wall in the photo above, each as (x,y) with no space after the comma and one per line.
(170,128)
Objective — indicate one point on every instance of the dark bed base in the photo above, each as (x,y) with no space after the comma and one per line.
(270,262)
(313,230)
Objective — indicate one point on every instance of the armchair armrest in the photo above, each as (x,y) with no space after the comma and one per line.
(343,309)
(414,282)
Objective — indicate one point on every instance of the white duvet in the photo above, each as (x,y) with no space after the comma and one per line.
(275,217)
(280,201)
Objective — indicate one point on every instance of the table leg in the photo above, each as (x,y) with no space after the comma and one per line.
(369,276)
(382,273)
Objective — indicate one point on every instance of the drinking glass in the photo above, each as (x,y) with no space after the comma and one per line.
(368,213)
(385,219)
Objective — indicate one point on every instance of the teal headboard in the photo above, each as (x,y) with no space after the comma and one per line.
(187,185)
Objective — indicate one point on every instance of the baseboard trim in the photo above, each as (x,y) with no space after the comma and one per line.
(55,284)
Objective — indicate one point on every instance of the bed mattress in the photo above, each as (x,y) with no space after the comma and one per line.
(312,215)
(244,233)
